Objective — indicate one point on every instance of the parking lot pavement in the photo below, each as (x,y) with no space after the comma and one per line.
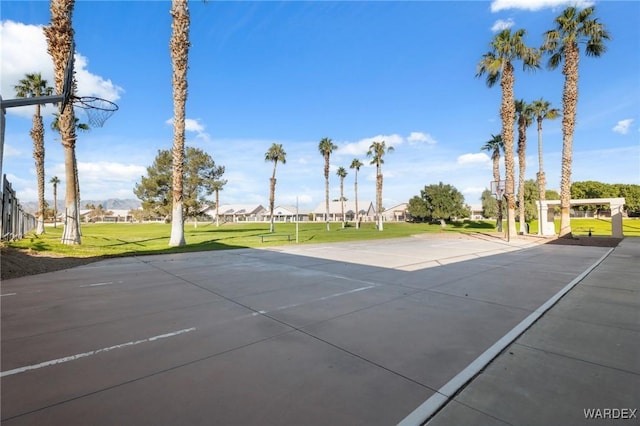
(357,333)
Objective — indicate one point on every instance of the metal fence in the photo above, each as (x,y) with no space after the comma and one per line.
(15,221)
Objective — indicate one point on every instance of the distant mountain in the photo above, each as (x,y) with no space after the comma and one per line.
(114,203)
(110,204)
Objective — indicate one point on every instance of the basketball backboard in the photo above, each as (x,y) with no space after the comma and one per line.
(498,187)
(67,82)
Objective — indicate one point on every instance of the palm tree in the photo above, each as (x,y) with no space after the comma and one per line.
(542,110)
(525,118)
(326,147)
(217,187)
(179,47)
(342,173)
(507,47)
(573,27)
(35,85)
(495,145)
(376,152)
(275,153)
(80,127)
(59,45)
(55,181)
(356,164)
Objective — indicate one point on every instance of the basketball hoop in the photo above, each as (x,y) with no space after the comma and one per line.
(98,110)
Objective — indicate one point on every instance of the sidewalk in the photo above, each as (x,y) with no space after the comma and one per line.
(579,364)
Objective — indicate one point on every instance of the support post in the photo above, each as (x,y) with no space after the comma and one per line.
(616,220)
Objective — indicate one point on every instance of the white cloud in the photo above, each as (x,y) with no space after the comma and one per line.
(193,125)
(479,158)
(24,50)
(94,177)
(93,85)
(502,24)
(417,137)
(472,194)
(362,146)
(623,126)
(533,5)
(10,151)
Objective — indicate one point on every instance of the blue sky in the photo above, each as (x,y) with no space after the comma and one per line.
(297,71)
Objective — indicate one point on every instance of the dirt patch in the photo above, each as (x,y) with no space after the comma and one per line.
(16,263)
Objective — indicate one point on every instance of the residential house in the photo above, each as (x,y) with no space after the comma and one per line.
(238,212)
(367,211)
(288,214)
(396,213)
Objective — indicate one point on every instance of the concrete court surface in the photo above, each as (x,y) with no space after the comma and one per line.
(340,334)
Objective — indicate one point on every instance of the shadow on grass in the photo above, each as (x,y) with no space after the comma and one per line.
(472,224)
(15,263)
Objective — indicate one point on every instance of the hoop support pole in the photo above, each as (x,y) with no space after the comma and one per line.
(35,100)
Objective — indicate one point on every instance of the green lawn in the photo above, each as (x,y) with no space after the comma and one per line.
(138,239)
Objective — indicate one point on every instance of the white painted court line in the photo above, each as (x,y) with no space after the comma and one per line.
(319,299)
(90,353)
(98,284)
(8,294)
(446,392)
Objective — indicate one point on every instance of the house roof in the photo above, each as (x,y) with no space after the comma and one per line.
(236,209)
(335,207)
(288,210)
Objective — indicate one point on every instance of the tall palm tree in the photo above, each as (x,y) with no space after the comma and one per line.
(542,110)
(376,152)
(356,164)
(572,28)
(342,173)
(495,145)
(275,153)
(55,181)
(59,45)
(507,47)
(80,127)
(35,85)
(179,47)
(525,118)
(326,147)
(217,187)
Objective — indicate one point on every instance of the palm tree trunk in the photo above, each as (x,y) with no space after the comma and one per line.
(522,144)
(569,102)
(55,205)
(179,60)
(379,197)
(272,196)
(326,190)
(540,177)
(507,114)
(71,230)
(217,207)
(342,201)
(357,215)
(37,133)
(60,40)
(496,177)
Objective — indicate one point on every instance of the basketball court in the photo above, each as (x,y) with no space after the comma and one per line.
(369,333)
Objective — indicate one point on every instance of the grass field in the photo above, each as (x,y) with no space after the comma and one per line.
(152,238)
